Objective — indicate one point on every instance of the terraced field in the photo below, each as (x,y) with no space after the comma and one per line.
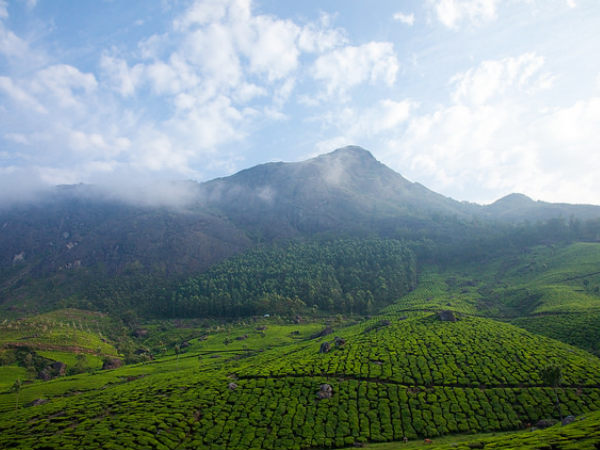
(269,383)
(411,377)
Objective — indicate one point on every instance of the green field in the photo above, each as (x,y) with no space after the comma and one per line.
(254,383)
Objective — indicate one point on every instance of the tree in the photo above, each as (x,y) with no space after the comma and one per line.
(16,388)
(80,363)
(552,376)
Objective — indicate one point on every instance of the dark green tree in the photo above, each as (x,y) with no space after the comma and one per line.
(16,388)
(552,376)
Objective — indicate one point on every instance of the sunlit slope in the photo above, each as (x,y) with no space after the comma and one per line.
(426,351)
(583,434)
(417,377)
(68,330)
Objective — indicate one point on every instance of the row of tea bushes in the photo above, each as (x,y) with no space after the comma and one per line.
(425,351)
(184,410)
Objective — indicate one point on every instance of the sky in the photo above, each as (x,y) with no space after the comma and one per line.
(474,99)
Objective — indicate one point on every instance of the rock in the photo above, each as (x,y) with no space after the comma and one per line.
(111,363)
(37,401)
(261,328)
(298,319)
(241,338)
(53,370)
(44,374)
(140,332)
(545,423)
(325,391)
(325,347)
(324,332)
(232,386)
(59,368)
(447,316)
(184,344)
(339,342)
(567,420)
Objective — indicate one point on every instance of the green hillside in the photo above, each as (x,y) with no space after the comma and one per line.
(413,377)
(334,377)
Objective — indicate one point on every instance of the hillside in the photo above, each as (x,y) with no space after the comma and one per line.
(320,304)
(81,246)
(387,382)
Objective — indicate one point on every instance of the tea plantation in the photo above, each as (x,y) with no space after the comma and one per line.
(459,354)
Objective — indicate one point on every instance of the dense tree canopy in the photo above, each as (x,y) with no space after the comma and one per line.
(353,276)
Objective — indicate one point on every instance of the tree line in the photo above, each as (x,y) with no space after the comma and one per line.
(340,276)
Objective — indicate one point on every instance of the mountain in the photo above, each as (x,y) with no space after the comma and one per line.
(515,207)
(347,189)
(76,237)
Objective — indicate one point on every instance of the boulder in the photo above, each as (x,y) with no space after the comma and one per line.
(325,347)
(59,368)
(325,391)
(339,342)
(111,363)
(140,332)
(53,370)
(447,316)
(241,338)
(37,401)
(545,423)
(232,386)
(567,420)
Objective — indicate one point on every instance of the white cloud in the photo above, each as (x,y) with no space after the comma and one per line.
(494,78)
(124,79)
(451,13)
(349,66)
(571,3)
(3,9)
(10,44)
(321,37)
(497,135)
(407,19)
(20,95)
(65,83)
(201,13)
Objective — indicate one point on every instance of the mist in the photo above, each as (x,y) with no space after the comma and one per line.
(21,187)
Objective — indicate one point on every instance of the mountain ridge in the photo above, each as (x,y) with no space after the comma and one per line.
(82,232)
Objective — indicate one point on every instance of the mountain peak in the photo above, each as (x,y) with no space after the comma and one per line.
(349,151)
(513,200)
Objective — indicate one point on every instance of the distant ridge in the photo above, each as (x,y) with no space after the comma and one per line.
(82,230)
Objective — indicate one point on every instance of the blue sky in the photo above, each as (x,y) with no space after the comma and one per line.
(473,98)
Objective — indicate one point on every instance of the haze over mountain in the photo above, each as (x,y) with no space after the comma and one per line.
(82,229)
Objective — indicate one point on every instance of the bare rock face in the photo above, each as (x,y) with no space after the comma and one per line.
(232,386)
(325,347)
(447,316)
(111,363)
(325,391)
